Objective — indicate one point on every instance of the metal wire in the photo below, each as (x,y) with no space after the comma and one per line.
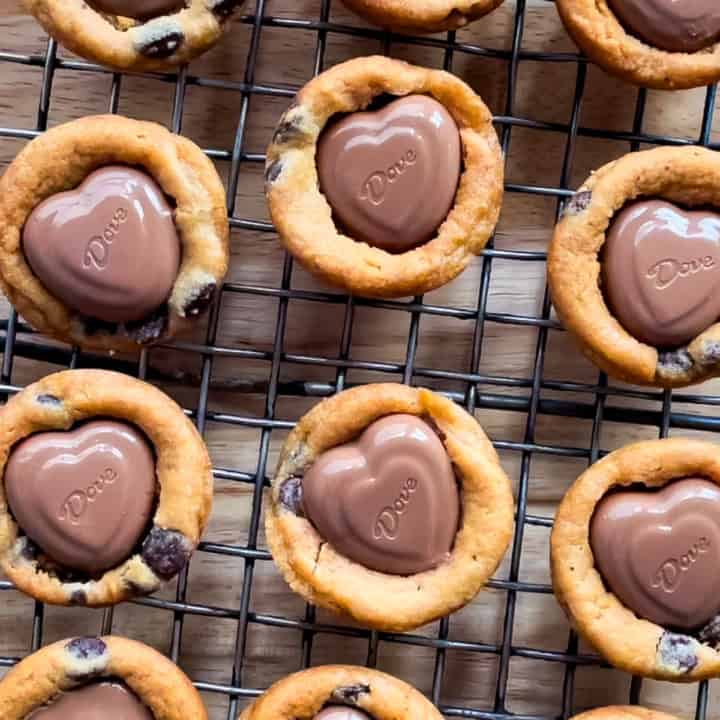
(529,401)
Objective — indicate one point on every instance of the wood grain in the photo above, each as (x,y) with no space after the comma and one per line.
(544,93)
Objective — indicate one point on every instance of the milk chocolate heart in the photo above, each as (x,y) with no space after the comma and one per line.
(108,249)
(106,700)
(661,271)
(389,501)
(659,551)
(391,175)
(84,496)
(674,25)
(138,9)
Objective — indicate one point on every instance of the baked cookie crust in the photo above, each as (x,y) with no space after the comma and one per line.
(69,664)
(184,475)
(303,217)
(60,160)
(634,645)
(689,176)
(127,44)
(304,694)
(422,16)
(313,568)
(598,32)
(623,712)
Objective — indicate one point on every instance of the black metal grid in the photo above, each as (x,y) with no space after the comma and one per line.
(529,402)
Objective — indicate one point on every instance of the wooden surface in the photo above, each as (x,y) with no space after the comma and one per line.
(285,56)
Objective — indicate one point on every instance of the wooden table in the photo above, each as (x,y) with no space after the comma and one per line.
(378,350)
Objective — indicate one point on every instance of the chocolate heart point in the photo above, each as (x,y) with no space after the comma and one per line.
(388,501)
(659,551)
(108,249)
(661,271)
(138,9)
(391,175)
(84,496)
(108,700)
(684,26)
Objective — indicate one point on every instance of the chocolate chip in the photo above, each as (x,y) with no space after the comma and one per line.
(291,495)
(710,633)
(162,47)
(224,8)
(150,329)
(86,648)
(578,202)
(166,552)
(349,694)
(288,129)
(674,361)
(200,300)
(711,352)
(272,171)
(46,399)
(30,550)
(677,652)
(78,597)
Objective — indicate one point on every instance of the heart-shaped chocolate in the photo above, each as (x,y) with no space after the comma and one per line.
(138,9)
(108,249)
(659,551)
(391,175)
(661,271)
(106,700)
(684,26)
(388,501)
(84,496)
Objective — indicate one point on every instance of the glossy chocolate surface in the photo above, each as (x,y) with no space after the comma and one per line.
(341,712)
(138,9)
(108,249)
(391,175)
(659,551)
(388,501)
(661,271)
(684,26)
(84,496)
(99,701)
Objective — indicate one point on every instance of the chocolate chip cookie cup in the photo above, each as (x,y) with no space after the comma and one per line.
(106,488)
(388,505)
(109,677)
(623,712)
(113,233)
(651,43)
(634,557)
(634,267)
(134,34)
(341,692)
(422,16)
(384,178)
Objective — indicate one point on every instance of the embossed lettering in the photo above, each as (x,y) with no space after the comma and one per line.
(669,574)
(387,523)
(97,251)
(75,505)
(666,271)
(375,186)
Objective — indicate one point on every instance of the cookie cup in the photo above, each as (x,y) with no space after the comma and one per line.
(60,160)
(421,16)
(184,478)
(599,33)
(69,664)
(303,217)
(127,44)
(626,641)
(313,568)
(623,712)
(689,176)
(305,693)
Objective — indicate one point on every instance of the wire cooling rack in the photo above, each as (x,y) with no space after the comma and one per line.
(481,390)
